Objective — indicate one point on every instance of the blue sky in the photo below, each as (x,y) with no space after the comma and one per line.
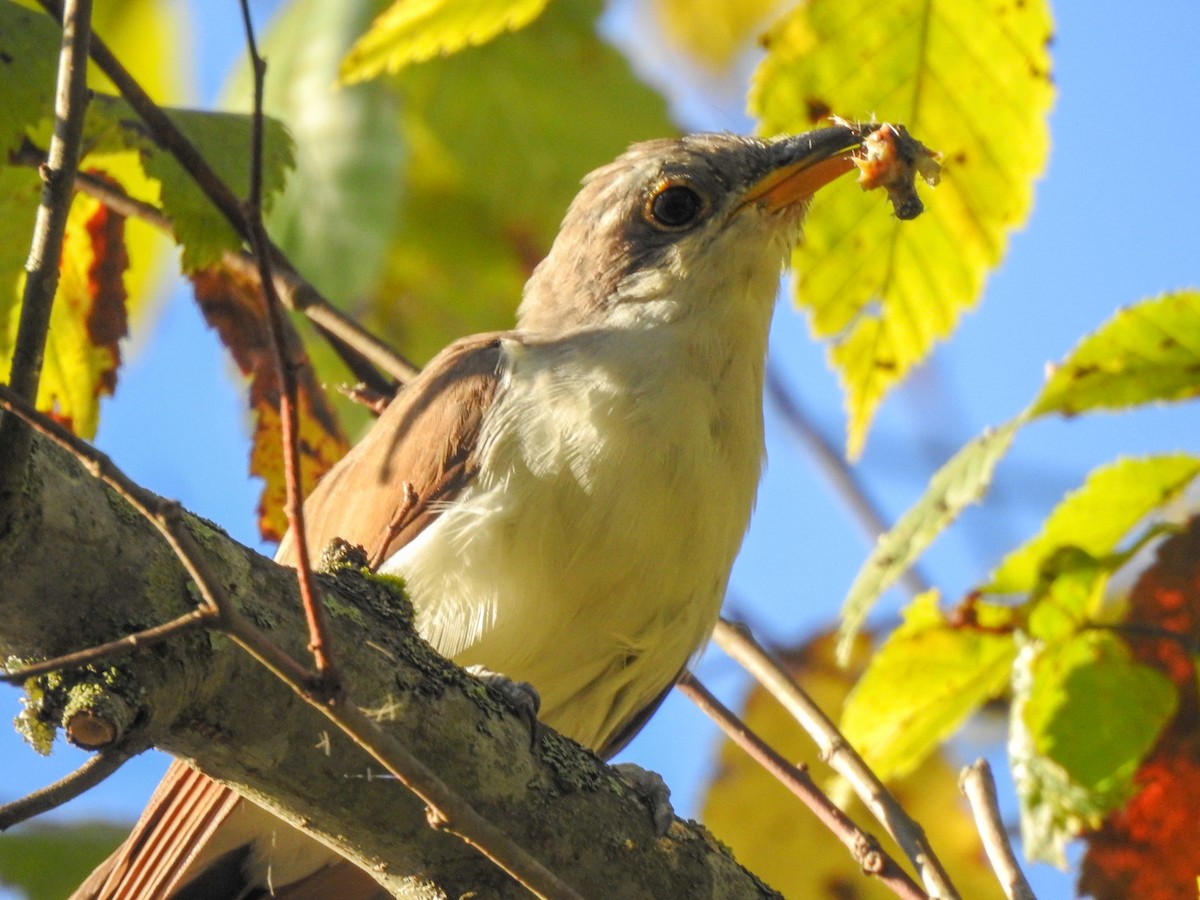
(1115,220)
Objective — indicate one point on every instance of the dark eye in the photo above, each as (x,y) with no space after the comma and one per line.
(675,206)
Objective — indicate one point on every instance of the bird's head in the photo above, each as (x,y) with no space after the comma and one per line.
(673,226)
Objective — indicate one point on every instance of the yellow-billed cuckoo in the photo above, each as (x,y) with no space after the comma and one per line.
(564,500)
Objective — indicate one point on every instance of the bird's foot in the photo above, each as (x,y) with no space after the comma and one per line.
(520,695)
(653,790)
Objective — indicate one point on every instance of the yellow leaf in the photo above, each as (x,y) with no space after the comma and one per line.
(148,36)
(712,31)
(87,321)
(773,835)
(970,80)
(415,30)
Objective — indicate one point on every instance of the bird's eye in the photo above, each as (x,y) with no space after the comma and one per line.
(674,206)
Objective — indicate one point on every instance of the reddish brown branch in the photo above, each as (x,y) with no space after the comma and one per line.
(314,610)
(866,851)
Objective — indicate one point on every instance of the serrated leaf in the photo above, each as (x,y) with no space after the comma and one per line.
(747,808)
(1085,714)
(416,30)
(969,79)
(928,676)
(1148,352)
(955,486)
(712,31)
(234,306)
(338,212)
(1096,516)
(223,139)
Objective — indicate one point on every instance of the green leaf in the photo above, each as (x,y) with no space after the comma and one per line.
(1096,516)
(1145,353)
(1085,714)
(956,485)
(416,30)
(923,682)
(965,76)
(29,43)
(339,210)
(223,139)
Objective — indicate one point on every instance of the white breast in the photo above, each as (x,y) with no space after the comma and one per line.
(591,555)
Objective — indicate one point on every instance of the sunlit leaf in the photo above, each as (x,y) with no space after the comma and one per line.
(415,30)
(1147,849)
(1084,715)
(234,306)
(86,322)
(713,31)
(1145,353)
(955,486)
(780,841)
(1094,518)
(969,79)
(928,676)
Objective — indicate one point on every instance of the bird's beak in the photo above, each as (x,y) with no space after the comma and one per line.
(803,164)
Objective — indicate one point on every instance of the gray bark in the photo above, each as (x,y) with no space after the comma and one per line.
(81,567)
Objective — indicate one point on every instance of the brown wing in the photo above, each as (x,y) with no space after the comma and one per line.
(194,833)
(421,451)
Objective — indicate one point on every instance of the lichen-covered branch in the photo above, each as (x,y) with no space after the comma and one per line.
(202,698)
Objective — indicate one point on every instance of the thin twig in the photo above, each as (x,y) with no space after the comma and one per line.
(372,351)
(835,468)
(979,787)
(838,753)
(45,251)
(198,618)
(862,846)
(449,810)
(319,641)
(98,767)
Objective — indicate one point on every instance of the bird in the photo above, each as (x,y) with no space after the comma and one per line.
(564,500)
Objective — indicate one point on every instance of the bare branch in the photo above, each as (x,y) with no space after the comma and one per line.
(836,751)
(91,773)
(979,787)
(862,846)
(289,421)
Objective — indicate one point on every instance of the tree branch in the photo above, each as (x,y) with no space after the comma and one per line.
(865,849)
(837,752)
(201,698)
(41,278)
